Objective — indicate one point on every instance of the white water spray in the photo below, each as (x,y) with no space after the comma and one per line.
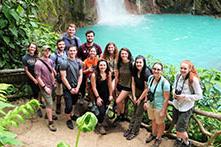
(113,12)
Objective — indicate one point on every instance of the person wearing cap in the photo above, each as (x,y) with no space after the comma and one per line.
(45,76)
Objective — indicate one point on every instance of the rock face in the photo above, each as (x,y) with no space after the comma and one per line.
(198,7)
(62,12)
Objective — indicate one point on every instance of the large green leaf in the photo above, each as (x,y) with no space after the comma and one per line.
(14,31)
(6,39)
(3,23)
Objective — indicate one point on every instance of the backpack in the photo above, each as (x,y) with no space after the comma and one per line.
(57,68)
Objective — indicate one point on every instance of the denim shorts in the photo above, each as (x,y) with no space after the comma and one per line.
(181,119)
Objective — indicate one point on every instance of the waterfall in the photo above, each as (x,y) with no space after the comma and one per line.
(113,12)
(138,6)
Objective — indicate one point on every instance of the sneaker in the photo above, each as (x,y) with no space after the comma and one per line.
(69,124)
(127,132)
(150,138)
(101,129)
(177,143)
(157,142)
(54,117)
(39,113)
(131,136)
(58,109)
(52,127)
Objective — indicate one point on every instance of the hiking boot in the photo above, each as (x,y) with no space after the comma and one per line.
(131,136)
(157,142)
(186,145)
(69,124)
(127,132)
(150,138)
(177,143)
(54,117)
(52,127)
(58,109)
(101,129)
(39,113)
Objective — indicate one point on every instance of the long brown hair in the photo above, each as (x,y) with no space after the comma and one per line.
(106,54)
(193,72)
(36,53)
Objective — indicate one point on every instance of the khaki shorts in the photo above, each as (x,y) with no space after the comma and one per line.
(47,98)
(59,89)
(154,114)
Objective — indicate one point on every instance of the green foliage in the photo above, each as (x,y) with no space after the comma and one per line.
(63,144)
(18,25)
(13,117)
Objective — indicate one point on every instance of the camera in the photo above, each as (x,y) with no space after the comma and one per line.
(178,92)
(150,96)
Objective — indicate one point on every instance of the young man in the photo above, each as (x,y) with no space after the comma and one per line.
(45,76)
(83,53)
(70,38)
(58,58)
(71,75)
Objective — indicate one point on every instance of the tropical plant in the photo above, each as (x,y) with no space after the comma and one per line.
(19,26)
(13,117)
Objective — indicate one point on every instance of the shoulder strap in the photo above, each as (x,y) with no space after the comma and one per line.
(76,42)
(50,70)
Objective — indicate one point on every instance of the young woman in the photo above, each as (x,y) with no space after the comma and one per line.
(123,80)
(186,91)
(28,61)
(158,96)
(139,91)
(111,55)
(102,89)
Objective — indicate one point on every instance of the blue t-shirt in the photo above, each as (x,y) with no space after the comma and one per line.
(163,86)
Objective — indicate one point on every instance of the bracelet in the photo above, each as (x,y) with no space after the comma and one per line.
(70,89)
(97,97)
(43,86)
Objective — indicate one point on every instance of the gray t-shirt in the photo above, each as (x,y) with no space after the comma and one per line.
(72,68)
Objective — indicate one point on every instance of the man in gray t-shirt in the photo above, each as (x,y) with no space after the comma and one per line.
(71,75)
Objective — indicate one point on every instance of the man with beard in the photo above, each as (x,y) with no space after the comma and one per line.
(83,53)
(70,38)
(45,76)
(58,58)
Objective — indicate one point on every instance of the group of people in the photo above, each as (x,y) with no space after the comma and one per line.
(77,69)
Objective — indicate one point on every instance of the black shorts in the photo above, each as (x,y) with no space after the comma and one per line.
(181,119)
(120,88)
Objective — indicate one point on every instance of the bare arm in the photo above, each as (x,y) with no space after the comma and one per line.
(64,79)
(166,96)
(133,89)
(93,84)
(110,88)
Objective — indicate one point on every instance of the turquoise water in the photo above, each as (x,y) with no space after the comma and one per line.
(169,38)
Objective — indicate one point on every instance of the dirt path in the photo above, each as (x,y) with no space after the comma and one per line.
(34,133)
